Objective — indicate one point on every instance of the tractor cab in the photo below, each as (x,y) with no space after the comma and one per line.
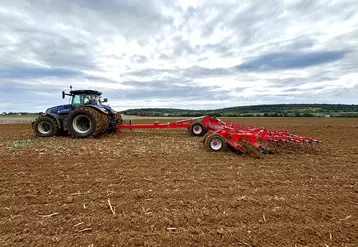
(85,97)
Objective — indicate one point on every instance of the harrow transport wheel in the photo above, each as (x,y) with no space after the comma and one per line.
(86,121)
(197,129)
(45,126)
(215,143)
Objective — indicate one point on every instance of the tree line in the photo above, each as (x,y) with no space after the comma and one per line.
(279,110)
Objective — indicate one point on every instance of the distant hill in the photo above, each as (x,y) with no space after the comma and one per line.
(278,110)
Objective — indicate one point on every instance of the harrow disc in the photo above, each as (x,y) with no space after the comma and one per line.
(250,140)
(270,147)
(251,150)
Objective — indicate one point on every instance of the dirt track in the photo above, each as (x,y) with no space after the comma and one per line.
(167,191)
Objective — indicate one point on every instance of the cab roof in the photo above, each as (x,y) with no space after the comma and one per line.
(75,92)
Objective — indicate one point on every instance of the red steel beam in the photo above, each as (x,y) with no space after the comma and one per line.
(154,125)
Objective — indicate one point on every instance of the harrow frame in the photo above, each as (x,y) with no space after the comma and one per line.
(243,139)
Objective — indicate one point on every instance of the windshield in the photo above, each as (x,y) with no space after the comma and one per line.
(80,99)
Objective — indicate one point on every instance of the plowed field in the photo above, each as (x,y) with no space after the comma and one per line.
(166,190)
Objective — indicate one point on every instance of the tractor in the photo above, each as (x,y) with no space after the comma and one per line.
(85,116)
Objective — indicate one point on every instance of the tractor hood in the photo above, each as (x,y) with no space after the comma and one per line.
(59,109)
(107,107)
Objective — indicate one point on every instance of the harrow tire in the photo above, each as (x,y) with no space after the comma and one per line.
(206,136)
(215,143)
(45,126)
(197,129)
(85,122)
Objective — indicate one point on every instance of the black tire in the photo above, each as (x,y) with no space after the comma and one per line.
(86,122)
(215,143)
(197,129)
(206,136)
(62,133)
(45,126)
(118,118)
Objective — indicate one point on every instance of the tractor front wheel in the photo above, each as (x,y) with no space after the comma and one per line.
(45,126)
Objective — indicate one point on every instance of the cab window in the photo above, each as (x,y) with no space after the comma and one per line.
(78,99)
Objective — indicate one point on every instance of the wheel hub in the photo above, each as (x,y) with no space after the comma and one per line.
(216,144)
(197,129)
(81,124)
(44,127)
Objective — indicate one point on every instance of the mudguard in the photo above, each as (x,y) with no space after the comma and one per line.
(103,110)
(60,109)
(57,118)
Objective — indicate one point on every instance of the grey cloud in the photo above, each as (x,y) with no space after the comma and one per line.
(139,59)
(182,48)
(24,71)
(129,18)
(297,81)
(46,46)
(166,90)
(29,97)
(72,38)
(84,24)
(186,74)
(291,60)
(348,93)
(223,48)
(299,90)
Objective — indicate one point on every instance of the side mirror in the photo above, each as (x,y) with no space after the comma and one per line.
(63,94)
(105,100)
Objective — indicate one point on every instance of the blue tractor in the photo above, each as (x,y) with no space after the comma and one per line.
(85,116)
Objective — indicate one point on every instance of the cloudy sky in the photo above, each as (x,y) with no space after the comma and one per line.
(182,54)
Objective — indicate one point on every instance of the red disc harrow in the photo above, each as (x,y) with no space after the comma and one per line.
(243,139)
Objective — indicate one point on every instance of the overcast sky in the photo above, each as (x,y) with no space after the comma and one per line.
(182,54)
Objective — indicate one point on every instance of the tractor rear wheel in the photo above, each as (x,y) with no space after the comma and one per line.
(118,118)
(197,129)
(45,126)
(86,121)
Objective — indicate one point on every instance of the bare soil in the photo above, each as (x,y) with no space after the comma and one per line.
(162,188)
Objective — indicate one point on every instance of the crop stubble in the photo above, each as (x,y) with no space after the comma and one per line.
(162,188)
